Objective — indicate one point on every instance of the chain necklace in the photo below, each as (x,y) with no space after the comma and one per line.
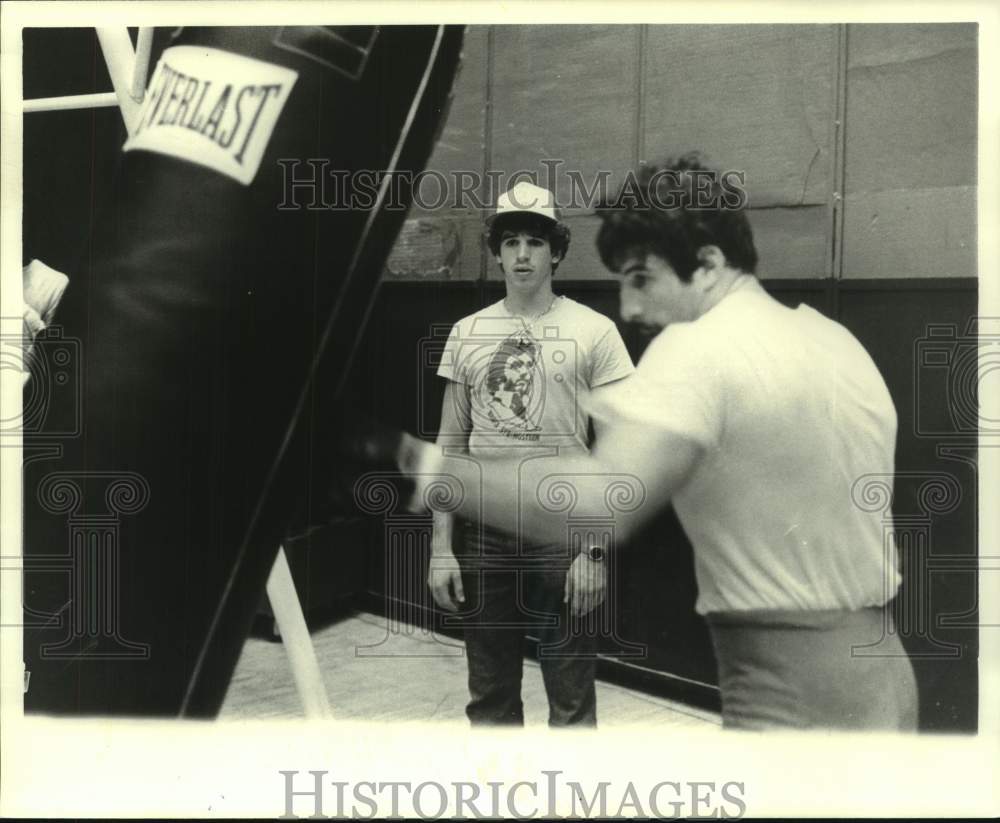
(530,320)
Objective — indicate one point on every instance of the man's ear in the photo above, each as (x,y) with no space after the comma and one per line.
(713,264)
(711,257)
(556,259)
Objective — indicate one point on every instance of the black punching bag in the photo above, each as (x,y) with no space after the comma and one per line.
(212,294)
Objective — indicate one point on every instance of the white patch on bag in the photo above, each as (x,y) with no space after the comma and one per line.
(212,107)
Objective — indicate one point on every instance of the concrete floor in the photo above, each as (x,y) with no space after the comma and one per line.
(411,675)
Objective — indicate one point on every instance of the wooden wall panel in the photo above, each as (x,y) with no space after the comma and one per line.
(876,44)
(910,172)
(462,144)
(911,116)
(910,233)
(754,98)
(791,243)
(568,93)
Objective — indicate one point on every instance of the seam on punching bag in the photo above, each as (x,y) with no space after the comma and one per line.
(345,49)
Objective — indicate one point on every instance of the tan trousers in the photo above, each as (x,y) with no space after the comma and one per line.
(789,669)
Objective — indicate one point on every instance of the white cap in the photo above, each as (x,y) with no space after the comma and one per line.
(527,197)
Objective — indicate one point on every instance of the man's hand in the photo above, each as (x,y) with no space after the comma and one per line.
(445,581)
(586,582)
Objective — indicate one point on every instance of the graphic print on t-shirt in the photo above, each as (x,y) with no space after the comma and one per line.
(524,385)
(511,391)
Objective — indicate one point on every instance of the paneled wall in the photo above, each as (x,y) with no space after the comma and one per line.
(858,142)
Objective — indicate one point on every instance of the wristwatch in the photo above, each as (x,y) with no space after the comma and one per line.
(595,553)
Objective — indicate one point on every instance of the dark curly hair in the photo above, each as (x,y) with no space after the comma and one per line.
(672,210)
(558,234)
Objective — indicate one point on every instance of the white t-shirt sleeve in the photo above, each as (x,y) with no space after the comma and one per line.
(450,366)
(678,387)
(610,359)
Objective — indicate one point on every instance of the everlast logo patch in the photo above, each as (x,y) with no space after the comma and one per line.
(213,108)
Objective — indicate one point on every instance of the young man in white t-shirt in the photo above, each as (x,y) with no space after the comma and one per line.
(519,376)
(761,424)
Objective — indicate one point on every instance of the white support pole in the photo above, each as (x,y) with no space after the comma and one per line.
(295,636)
(120,57)
(72,101)
(143,49)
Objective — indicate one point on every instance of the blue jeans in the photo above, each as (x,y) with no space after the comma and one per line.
(511,592)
